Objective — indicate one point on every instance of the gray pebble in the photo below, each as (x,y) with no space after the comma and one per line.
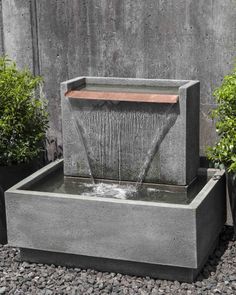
(3,290)
(232,278)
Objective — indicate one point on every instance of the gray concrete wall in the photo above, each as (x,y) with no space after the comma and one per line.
(185,39)
(1,31)
(17,34)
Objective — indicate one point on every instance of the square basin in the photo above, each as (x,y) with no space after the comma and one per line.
(147,234)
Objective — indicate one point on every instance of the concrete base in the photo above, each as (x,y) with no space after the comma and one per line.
(182,274)
(110,265)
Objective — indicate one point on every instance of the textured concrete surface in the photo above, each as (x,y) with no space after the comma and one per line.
(16,19)
(174,273)
(208,225)
(185,39)
(231,180)
(138,231)
(1,31)
(10,175)
(123,140)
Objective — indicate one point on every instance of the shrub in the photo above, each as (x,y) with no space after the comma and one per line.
(23,116)
(223,153)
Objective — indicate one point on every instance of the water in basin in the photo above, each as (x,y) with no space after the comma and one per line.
(58,183)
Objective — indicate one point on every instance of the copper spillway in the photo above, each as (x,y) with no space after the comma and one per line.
(123,96)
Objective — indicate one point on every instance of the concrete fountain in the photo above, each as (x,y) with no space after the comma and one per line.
(129,195)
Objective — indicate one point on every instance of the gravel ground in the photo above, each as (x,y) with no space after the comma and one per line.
(217,277)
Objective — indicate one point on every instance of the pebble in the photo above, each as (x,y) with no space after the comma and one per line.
(2,290)
(22,278)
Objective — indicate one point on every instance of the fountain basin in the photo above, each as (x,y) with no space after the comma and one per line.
(164,240)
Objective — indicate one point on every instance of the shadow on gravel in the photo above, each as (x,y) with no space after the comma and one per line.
(226,237)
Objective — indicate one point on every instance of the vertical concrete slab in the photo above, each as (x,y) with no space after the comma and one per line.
(132,141)
(34,33)
(52,22)
(1,31)
(224,41)
(207,127)
(80,52)
(17,32)
(192,127)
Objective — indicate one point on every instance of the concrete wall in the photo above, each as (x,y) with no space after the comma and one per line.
(61,39)
(1,30)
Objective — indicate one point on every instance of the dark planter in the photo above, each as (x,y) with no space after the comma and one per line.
(231,181)
(10,175)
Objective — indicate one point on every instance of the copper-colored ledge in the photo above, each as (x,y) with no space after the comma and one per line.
(123,96)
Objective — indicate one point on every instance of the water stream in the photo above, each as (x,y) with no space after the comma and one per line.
(168,122)
(79,132)
(121,190)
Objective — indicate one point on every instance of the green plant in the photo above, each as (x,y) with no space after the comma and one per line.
(223,154)
(23,116)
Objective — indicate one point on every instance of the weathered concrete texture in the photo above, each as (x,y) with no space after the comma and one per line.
(110,265)
(53,20)
(231,181)
(129,140)
(207,127)
(17,32)
(126,230)
(206,222)
(164,39)
(9,176)
(1,31)
(185,39)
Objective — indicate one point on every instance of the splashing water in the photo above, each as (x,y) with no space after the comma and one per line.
(107,190)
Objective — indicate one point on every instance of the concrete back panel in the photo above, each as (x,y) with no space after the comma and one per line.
(117,139)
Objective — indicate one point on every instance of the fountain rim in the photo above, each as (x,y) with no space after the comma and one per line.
(73,89)
(215,175)
(69,88)
(80,80)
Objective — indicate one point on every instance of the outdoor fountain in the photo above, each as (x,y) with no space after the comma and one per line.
(129,196)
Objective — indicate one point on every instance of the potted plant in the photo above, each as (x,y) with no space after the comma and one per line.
(23,125)
(223,153)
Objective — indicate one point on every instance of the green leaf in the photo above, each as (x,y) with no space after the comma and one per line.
(224,151)
(23,114)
